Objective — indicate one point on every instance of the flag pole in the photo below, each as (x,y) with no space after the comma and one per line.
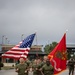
(36,45)
(22,37)
(36,38)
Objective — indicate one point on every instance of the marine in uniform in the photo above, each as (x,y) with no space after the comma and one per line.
(36,67)
(47,68)
(71,64)
(21,68)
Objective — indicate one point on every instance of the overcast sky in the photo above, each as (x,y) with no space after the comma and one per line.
(49,18)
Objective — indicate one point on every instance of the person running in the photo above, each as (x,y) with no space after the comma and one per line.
(36,67)
(47,68)
(21,68)
(71,64)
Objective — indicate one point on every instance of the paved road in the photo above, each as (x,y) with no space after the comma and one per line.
(12,72)
(8,72)
(66,72)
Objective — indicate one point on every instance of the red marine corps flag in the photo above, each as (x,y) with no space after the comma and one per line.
(58,56)
(20,50)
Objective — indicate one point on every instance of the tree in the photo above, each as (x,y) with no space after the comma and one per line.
(49,47)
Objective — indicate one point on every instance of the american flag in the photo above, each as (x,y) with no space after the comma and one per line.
(20,50)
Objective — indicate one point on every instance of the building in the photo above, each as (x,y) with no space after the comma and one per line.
(35,51)
(71,49)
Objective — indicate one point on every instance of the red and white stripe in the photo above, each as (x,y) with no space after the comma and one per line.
(16,52)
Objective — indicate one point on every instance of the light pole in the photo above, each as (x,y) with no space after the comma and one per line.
(22,37)
(3,39)
(6,40)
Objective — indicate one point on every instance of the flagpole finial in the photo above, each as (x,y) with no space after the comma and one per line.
(66,30)
(35,32)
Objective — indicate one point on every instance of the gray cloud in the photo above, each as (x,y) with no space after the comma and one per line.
(49,18)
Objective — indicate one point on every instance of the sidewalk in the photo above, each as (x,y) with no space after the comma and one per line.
(12,72)
(65,72)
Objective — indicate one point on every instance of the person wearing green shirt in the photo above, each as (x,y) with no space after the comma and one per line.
(21,68)
(71,64)
(47,68)
(36,67)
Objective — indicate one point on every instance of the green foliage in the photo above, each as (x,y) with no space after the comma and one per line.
(49,47)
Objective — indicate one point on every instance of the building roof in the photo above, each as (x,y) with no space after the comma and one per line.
(70,45)
(36,52)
